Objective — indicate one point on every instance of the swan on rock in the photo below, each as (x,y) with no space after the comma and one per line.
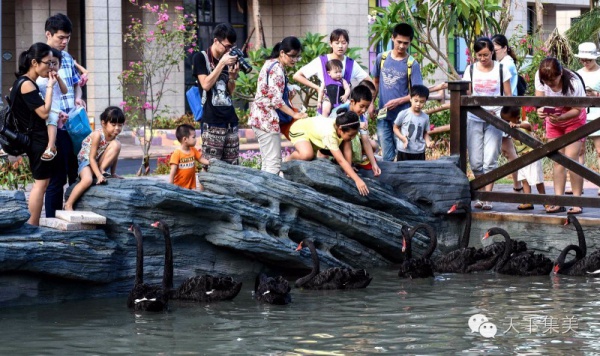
(332,278)
(205,288)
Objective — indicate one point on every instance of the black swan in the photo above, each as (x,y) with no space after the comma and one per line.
(272,290)
(144,297)
(417,267)
(466,236)
(572,219)
(486,258)
(205,288)
(525,263)
(332,278)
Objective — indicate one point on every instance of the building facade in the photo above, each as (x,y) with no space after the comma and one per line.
(98,26)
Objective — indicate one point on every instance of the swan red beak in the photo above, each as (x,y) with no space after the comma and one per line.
(299,246)
(130,228)
(452,209)
(566,222)
(404,244)
(155,224)
(487,235)
(555,269)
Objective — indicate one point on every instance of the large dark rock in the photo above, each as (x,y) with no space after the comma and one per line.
(13,209)
(245,221)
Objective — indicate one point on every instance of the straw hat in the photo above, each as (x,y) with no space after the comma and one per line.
(587,50)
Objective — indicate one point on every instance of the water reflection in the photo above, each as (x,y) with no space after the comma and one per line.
(534,315)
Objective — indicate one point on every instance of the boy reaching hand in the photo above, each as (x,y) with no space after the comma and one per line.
(411,127)
(183,160)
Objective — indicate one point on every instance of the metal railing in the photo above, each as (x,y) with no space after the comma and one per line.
(460,104)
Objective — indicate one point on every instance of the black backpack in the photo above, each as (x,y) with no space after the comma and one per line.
(13,141)
(521,85)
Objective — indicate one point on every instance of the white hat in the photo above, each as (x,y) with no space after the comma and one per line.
(587,50)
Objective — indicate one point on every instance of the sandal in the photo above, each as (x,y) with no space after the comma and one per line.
(478,204)
(568,192)
(487,206)
(518,190)
(575,210)
(49,154)
(553,209)
(525,207)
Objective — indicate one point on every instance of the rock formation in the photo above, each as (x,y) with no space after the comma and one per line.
(245,221)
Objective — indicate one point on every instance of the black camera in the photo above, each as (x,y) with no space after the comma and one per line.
(244,65)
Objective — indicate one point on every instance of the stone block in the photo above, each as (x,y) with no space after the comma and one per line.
(63,225)
(83,217)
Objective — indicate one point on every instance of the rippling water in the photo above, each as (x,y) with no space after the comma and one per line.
(550,315)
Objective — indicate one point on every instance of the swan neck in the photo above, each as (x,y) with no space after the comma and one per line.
(168,269)
(432,238)
(580,237)
(316,265)
(507,247)
(467,233)
(139,258)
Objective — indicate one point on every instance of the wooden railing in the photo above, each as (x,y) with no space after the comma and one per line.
(460,104)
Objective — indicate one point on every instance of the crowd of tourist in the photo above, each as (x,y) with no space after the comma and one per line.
(49,81)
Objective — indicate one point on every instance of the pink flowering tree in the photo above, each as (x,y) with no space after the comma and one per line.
(161,43)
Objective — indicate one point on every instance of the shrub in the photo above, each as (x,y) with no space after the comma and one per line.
(15,175)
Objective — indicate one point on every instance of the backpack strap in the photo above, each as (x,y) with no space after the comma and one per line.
(11,99)
(409,65)
(348,69)
(203,99)
(501,81)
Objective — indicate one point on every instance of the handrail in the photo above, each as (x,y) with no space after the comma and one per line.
(460,104)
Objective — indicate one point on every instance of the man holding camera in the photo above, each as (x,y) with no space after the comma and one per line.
(217,78)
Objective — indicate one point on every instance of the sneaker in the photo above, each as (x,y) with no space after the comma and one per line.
(487,206)
(478,204)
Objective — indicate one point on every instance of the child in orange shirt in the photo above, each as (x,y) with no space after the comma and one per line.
(183,159)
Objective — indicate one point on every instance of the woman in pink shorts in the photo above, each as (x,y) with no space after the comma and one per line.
(552,79)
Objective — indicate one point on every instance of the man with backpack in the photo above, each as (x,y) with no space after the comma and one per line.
(394,73)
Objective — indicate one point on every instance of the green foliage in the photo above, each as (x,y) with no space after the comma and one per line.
(585,29)
(172,123)
(162,165)
(434,22)
(15,175)
(159,42)
(313,45)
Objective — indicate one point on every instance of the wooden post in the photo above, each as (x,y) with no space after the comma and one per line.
(458,122)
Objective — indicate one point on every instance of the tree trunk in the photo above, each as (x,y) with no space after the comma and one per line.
(257,24)
(539,18)
(508,17)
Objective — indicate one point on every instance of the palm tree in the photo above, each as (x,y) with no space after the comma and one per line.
(587,28)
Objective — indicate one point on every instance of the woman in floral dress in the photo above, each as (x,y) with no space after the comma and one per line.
(269,104)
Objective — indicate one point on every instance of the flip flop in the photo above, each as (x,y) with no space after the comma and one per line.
(553,209)
(575,210)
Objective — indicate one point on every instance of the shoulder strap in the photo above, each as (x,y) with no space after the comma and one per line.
(471,73)
(269,70)
(501,81)
(384,55)
(207,63)
(348,69)
(409,65)
(11,99)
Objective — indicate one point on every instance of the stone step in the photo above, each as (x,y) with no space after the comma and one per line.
(63,225)
(82,217)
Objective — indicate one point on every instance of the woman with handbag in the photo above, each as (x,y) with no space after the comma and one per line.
(271,107)
(31,112)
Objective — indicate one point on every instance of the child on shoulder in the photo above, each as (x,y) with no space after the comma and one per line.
(183,159)
(411,127)
(362,146)
(59,89)
(99,153)
(333,92)
(335,135)
(532,174)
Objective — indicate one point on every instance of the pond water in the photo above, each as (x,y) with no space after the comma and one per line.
(533,315)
